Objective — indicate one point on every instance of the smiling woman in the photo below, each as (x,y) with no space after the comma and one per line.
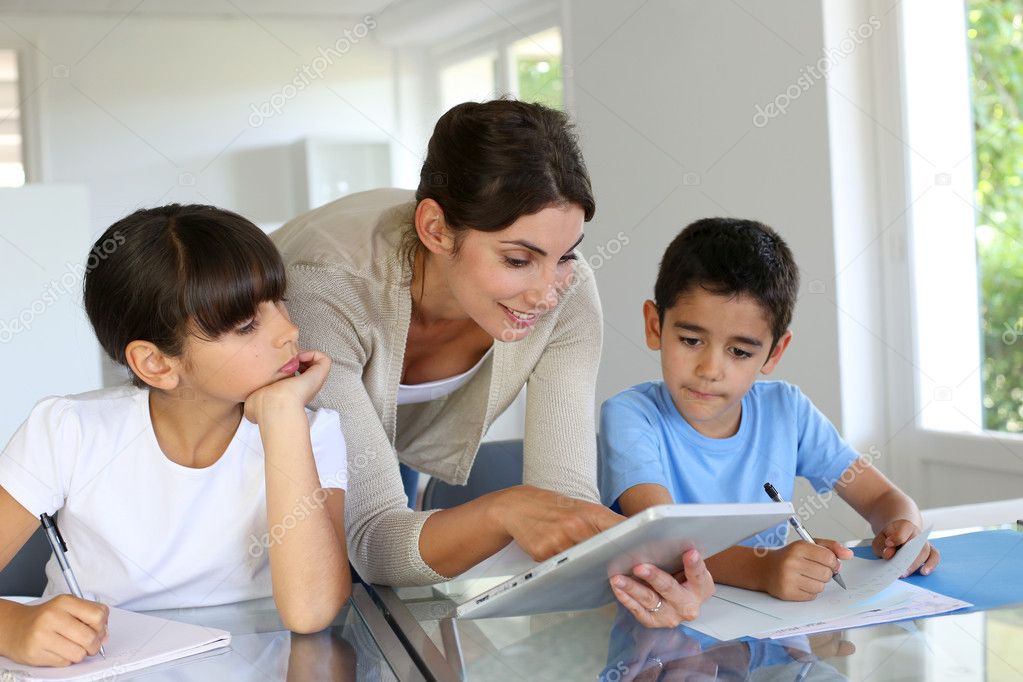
(473,287)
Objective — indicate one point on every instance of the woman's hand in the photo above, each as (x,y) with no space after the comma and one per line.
(654,651)
(298,390)
(59,632)
(545,523)
(660,600)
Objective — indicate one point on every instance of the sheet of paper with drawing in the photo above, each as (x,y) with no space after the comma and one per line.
(734,612)
(898,601)
(136,641)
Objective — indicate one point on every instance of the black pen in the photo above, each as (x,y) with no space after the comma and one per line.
(800,531)
(59,550)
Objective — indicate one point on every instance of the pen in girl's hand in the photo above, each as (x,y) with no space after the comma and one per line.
(59,548)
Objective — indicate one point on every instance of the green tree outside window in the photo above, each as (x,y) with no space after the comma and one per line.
(995,34)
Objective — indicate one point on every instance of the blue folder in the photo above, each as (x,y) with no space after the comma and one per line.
(982,568)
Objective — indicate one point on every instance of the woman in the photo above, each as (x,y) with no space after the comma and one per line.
(436,310)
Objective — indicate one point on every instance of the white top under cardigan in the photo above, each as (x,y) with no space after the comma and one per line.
(409,394)
(349,294)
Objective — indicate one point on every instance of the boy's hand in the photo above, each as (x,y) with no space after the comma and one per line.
(801,570)
(59,632)
(895,535)
(298,390)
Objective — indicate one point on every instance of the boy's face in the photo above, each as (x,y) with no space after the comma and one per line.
(712,347)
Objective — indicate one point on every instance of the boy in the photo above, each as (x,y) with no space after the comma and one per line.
(722,305)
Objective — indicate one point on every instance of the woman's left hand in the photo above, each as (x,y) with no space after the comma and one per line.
(661,600)
(290,391)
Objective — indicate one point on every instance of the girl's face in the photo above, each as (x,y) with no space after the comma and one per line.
(256,353)
(506,280)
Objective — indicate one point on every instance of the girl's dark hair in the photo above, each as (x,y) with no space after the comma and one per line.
(162,273)
(490,163)
(731,257)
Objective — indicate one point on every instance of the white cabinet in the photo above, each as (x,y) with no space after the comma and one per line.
(327,169)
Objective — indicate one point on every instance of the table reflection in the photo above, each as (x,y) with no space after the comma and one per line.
(261,649)
(637,653)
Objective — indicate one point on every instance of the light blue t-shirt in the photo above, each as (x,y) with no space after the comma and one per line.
(644,439)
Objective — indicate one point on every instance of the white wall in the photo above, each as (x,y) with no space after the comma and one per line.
(150,110)
(665,105)
(46,344)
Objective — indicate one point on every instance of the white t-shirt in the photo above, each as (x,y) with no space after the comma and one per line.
(142,531)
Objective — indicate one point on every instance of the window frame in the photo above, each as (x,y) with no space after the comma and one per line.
(28,108)
(926,457)
(496,40)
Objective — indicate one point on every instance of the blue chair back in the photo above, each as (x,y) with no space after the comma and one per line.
(24,575)
(498,466)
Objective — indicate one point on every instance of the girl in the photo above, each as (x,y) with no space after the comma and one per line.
(206,481)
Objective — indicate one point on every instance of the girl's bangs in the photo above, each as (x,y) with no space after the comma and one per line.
(228,278)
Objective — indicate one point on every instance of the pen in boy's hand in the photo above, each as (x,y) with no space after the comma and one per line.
(800,531)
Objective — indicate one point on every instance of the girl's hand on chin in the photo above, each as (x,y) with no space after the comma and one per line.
(290,392)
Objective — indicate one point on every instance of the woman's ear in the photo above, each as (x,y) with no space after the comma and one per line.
(152,365)
(432,229)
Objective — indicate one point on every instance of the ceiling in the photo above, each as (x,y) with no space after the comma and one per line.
(304,8)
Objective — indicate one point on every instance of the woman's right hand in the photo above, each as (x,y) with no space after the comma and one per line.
(545,523)
(59,632)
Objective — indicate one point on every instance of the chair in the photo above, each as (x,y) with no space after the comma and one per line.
(24,575)
(498,466)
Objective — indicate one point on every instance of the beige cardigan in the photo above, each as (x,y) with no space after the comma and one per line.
(348,292)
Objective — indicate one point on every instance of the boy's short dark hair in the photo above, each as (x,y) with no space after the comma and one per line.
(731,257)
(161,273)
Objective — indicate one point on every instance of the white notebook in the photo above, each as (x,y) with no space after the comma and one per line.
(136,641)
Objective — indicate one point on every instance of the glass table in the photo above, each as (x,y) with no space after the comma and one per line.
(608,645)
(359,645)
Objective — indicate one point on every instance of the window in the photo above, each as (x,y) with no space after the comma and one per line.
(935,231)
(526,68)
(470,80)
(536,68)
(12,168)
(995,34)
(939,206)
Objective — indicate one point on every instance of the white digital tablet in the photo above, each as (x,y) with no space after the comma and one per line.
(577,578)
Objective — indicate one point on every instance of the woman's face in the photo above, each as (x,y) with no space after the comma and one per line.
(505,281)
